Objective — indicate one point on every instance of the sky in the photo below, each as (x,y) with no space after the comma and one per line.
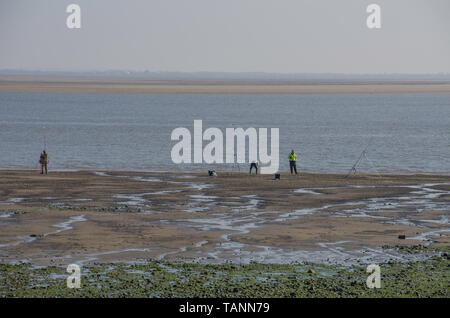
(276,36)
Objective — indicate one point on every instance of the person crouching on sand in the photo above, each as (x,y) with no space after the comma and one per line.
(255,165)
(44,160)
(293,161)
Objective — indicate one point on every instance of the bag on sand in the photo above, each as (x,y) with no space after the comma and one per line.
(212,173)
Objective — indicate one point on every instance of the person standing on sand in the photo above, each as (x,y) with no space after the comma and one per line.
(293,161)
(44,160)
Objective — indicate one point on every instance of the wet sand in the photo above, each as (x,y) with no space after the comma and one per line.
(90,216)
(123,86)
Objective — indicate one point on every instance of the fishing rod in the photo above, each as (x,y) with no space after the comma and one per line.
(45,137)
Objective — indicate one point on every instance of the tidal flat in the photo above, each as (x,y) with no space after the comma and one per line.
(155,234)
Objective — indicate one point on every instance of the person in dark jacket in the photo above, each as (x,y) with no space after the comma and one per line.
(44,161)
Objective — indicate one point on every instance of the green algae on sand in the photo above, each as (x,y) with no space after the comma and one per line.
(429,278)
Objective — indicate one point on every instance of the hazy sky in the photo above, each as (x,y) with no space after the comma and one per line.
(285,36)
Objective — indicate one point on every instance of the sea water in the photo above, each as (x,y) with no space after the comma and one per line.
(402,132)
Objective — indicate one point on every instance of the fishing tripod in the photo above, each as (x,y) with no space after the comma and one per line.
(362,156)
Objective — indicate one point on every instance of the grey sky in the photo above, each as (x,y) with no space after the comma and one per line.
(285,36)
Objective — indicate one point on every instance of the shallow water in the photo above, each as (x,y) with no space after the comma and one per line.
(408,132)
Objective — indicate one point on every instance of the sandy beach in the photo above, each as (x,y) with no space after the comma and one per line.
(91,216)
(130,86)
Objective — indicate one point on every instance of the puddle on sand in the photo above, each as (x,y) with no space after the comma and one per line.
(101,174)
(203,198)
(146,179)
(137,178)
(54,198)
(12,201)
(307,191)
(95,256)
(164,255)
(296,214)
(443,220)
(22,239)
(6,215)
(431,236)
(67,225)
(164,192)
(193,185)
(197,209)
(200,244)
(251,205)
(63,226)
(201,203)
(132,199)
(184,177)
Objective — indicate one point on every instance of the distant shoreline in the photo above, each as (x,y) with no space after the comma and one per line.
(139,86)
(203,172)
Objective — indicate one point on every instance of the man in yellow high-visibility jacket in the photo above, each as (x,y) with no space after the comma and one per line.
(293,161)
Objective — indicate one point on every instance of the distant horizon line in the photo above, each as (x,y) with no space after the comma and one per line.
(125,71)
(263,77)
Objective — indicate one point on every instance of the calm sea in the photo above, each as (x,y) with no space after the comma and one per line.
(407,132)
